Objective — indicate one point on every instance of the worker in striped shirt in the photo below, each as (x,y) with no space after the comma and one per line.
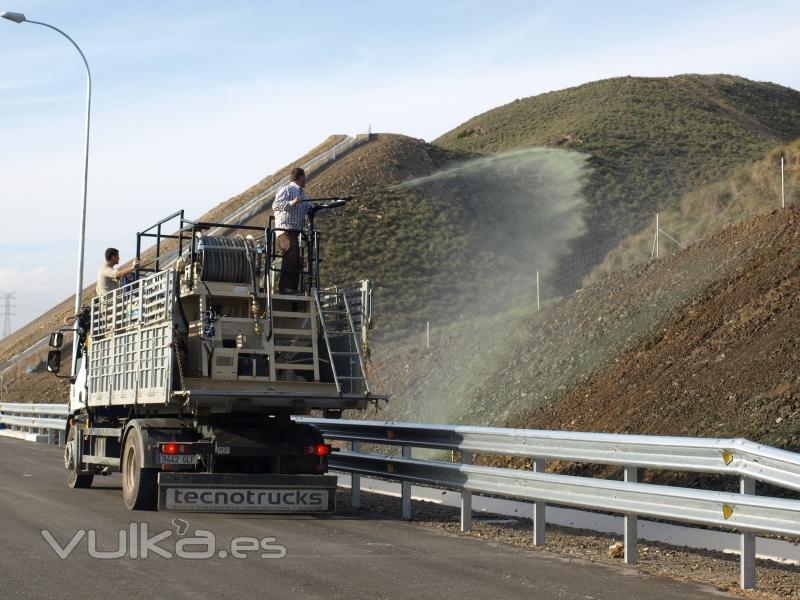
(290,208)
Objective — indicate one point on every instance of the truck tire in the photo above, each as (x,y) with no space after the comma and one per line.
(139,485)
(74,478)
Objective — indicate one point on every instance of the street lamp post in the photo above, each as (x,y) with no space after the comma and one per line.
(20,18)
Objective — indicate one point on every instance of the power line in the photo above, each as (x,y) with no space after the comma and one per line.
(8,306)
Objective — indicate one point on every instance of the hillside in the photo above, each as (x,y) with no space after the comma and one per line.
(750,190)
(702,343)
(443,248)
(724,365)
(651,139)
(423,245)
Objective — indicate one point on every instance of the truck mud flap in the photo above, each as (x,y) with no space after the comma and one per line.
(234,492)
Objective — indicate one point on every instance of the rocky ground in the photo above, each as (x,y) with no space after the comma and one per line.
(36,386)
(775,582)
(725,365)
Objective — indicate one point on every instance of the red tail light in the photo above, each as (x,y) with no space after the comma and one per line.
(176,448)
(318,449)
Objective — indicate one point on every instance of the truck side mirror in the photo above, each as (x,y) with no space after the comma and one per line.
(56,339)
(54,361)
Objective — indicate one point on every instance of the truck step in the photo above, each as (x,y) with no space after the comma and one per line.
(293,367)
(305,332)
(292,298)
(298,349)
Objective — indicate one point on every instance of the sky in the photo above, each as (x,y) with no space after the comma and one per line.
(194,101)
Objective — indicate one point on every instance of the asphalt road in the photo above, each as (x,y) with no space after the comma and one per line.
(349,555)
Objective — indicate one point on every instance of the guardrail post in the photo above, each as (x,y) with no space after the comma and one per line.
(466,497)
(747,565)
(406,489)
(355,481)
(61,437)
(631,522)
(539,507)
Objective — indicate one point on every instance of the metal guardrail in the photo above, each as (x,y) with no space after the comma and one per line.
(744,512)
(42,423)
(732,456)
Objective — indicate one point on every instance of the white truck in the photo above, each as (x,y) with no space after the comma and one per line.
(186,380)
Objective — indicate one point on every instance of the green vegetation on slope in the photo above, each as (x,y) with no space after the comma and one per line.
(750,190)
(651,139)
(437,250)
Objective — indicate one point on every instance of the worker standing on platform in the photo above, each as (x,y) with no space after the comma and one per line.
(290,208)
(108,278)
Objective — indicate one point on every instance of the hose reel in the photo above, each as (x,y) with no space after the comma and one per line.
(224,259)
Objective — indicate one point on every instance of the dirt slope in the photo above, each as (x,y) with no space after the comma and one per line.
(650,138)
(724,365)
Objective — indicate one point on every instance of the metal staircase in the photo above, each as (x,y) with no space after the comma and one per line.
(294,337)
(341,341)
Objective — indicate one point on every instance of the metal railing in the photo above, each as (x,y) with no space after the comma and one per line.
(42,423)
(261,201)
(239,215)
(255,205)
(24,354)
(743,512)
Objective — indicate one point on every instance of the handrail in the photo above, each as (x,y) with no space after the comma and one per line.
(24,354)
(340,147)
(254,205)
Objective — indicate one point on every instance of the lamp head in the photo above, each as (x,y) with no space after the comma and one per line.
(12,16)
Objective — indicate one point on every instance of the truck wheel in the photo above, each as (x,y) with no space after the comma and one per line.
(139,485)
(74,478)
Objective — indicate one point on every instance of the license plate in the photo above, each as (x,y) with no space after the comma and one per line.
(177,459)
